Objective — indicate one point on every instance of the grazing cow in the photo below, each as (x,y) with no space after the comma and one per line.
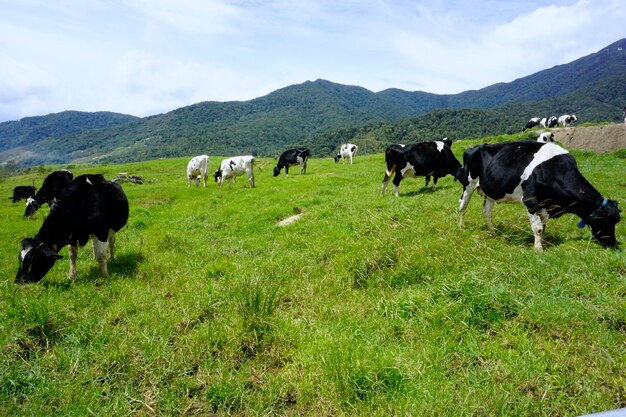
(347,150)
(233,167)
(22,192)
(567,119)
(534,122)
(420,159)
(546,137)
(50,190)
(90,207)
(296,156)
(198,168)
(542,176)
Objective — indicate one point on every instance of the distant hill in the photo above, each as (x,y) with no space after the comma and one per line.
(320,113)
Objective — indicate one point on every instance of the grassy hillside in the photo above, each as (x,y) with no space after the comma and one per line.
(367,305)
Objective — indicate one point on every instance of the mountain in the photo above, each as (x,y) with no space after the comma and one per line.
(315,112)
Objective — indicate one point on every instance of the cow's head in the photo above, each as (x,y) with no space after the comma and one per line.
(276,171)
(603,221)
(31,207)
(36,259)
(337,157)
(218,175)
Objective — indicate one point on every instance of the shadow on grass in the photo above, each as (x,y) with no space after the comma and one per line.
(124,265)
(429,190)
(520,236)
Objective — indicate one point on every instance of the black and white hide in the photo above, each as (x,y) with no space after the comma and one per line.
(296,156)
(432,158)
(50,190)
(567,120)
(22,192)
(231,168)
(542,176)
(89,208)
(347,150)
(198,167)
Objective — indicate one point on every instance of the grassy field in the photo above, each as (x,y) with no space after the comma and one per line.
(367,305)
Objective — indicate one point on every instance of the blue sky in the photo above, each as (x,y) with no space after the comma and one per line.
(144,57)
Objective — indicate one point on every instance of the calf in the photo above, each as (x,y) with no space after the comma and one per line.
(197,168)
(50,190)
(542,176)
(296,156)
(233,167)
(347,150)
(546,137)
(90,207)
(22,192)
(567,119)
(420,159)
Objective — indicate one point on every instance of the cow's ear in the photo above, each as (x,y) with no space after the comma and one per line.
(28,243)
(49,253)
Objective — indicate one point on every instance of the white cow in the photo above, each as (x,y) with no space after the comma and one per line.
(196,168)
(234,167)
(567,119)
(347,150)
(546,137)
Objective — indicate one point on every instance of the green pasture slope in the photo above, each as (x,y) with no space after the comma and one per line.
(367,305)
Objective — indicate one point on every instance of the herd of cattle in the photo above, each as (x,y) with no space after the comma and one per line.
(550,122)
(539,174)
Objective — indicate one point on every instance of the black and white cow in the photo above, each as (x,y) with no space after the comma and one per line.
(22,192)
(231,168)
(51,188)
(90,207)
(198,167)
(567,119)
(549,122)
(347,150)
(546,137)
(534,122)
(542,176)
(432,158)
(296,156)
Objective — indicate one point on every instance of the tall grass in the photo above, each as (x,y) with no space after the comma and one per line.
(367,305)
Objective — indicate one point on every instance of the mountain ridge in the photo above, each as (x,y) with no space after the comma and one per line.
(302,112)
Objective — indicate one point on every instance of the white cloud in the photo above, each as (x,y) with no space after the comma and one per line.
(144,57)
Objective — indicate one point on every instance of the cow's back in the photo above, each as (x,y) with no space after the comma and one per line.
(90,205)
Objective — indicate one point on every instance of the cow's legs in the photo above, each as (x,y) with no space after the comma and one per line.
(537,224)
(111,244)
(388,173)
(465,199)
(427,180)
(73,250)
(396,182)
(205,176)
(487,211)
(251,179)
(100,253)
(435,183)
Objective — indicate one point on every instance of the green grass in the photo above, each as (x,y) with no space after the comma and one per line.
(367,305)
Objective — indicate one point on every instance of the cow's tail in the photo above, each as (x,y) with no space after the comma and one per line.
(390,166)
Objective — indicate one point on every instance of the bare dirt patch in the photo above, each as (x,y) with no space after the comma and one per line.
(601,139)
